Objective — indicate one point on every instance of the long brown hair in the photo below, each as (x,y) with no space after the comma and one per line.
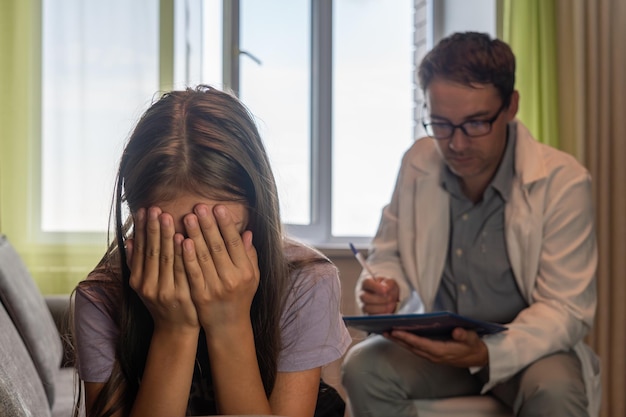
(202,141)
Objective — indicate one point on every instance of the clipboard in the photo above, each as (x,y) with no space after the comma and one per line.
(436,325)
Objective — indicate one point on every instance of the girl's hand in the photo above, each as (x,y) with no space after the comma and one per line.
(222,268)
(158,274)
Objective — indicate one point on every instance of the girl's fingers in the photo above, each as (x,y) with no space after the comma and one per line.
(236,262)
(179,264)
(209,230)
(251,253)
(166,252)
(195,276)
(181,281)
(199,247)
(228,240)
(128,249)
(138,247)
(152,256)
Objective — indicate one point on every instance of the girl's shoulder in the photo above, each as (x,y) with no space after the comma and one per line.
(301,257)
(308,266)
(299,251)
(102,286)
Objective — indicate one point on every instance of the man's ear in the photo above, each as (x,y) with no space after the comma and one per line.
(511,111)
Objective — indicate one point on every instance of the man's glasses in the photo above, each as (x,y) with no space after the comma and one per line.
(471,128)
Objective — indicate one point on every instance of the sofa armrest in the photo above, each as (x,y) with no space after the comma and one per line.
(59,306)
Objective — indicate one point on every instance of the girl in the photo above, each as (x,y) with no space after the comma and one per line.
(201,305)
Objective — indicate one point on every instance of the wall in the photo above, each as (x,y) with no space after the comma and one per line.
(462,15)
(349,270)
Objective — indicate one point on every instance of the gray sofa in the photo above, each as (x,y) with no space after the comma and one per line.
(36,373)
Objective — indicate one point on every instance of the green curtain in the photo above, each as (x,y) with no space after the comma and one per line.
(56,265)
(529,26)
(19,71)
(56,261)
(17,38)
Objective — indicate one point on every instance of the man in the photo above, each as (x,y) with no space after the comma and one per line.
(486,222)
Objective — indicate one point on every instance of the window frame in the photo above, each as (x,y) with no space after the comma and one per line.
(319,231)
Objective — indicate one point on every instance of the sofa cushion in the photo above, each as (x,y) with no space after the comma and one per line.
(28,310)
(66,394)
(21,391)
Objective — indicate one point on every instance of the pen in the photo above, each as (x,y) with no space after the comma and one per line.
(359,257)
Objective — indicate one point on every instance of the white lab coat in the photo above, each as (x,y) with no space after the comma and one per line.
(550,237)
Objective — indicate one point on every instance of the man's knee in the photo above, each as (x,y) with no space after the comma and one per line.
(558,387)
(364,360)
(556,397)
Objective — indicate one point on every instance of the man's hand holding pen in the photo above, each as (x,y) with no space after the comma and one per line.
(379,295)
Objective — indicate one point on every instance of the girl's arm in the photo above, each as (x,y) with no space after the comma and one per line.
(238,385)
(295,393)
(158,276)
(166,382)
(222,267)
(235,371)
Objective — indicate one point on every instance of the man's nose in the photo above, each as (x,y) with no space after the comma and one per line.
(459,140)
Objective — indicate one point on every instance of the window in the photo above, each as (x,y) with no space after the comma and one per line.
(334,101)
(275,83)
(373,104)
(100,70)
(331,84)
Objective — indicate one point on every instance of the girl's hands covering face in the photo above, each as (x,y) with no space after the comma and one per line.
(221,265)
(155,257)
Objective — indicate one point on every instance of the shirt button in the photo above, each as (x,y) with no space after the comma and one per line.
(459,252)
(463,287)
(465,216)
